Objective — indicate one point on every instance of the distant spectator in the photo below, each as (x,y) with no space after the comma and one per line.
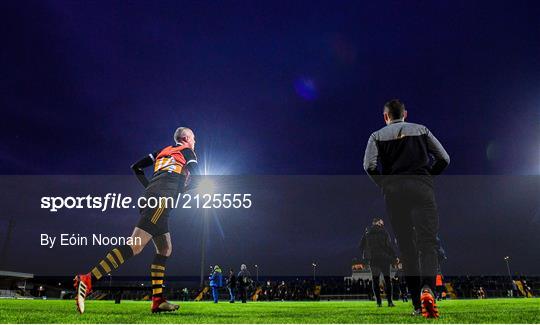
(243,282)
(216,281)
(378,251)
(185,294)
(231,285)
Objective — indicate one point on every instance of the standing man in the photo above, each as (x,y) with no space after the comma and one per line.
(216,281)
(185,294)
(172,167)
(243,282)
(402,159)
(231,285)
(378,252)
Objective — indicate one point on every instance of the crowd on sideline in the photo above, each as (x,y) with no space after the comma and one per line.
(494,286)
(244,287)
(334,288)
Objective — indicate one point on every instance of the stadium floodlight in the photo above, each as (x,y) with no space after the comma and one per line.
(215,166)
(257,272)
(209,167)
(314,267)
(206,186)
(507,259)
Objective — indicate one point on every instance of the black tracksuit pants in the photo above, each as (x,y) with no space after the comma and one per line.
(242,293)
(413,214)
(376,269)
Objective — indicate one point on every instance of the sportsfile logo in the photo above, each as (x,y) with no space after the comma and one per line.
(119,201)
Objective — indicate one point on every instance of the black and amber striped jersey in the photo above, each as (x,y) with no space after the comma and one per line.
(178,159)
(173,159)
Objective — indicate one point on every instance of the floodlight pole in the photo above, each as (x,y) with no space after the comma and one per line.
(4,254)
(314,266)
(506,259)
(257,272)
(203,249)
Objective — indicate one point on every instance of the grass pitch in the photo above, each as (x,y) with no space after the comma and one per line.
(456,311)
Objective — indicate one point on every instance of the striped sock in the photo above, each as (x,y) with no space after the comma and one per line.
(116,257)
(158,272)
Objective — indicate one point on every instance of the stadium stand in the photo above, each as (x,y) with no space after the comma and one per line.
(278,288)
(15,285)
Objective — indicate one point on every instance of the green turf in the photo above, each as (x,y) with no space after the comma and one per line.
(457,311)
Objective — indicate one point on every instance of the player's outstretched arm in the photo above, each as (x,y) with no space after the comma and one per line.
(138,168)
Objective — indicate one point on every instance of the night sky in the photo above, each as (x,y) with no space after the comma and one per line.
(276,88)
(270,88)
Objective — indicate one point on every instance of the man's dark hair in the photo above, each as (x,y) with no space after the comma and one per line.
(395,108)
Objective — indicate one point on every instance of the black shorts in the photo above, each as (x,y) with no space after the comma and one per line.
(161,190)
(155,221)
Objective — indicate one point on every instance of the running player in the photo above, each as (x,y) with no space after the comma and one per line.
(173,166)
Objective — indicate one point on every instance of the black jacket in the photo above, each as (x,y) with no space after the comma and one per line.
(243,279)
(231,282)
(377,246)
(403,148)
